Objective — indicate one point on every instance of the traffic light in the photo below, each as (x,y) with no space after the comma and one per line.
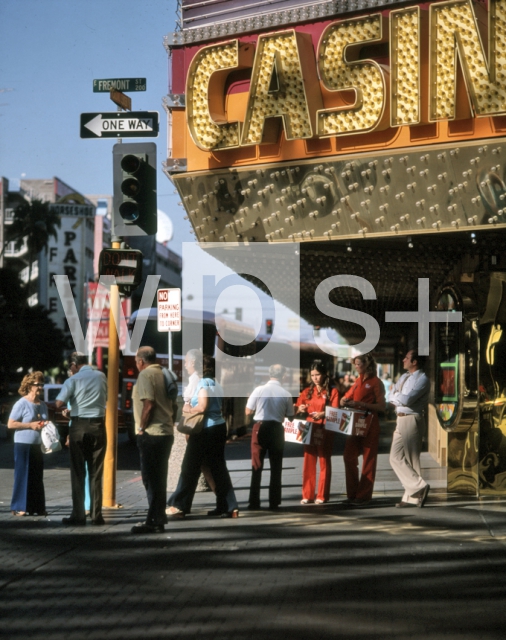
(125,265)
(134,205)
(269,325)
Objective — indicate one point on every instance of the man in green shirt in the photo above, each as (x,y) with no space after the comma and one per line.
(155,436)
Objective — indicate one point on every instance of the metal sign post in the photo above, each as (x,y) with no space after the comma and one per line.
(125,265)
(169,315)
(111,412)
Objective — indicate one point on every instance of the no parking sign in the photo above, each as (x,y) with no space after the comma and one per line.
(169,309)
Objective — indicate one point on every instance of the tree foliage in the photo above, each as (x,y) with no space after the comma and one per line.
(28,336)
(35,222)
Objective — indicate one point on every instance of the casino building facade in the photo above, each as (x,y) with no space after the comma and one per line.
(373,134)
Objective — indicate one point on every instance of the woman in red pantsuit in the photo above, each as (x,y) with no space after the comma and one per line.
(367,393)
(312,401)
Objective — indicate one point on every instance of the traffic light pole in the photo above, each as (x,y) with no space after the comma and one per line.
(111,413)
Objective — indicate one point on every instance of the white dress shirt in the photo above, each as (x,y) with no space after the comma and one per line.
(410,393)
(271,402)
(193,382)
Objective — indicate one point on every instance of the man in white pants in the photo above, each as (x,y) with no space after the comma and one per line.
(410,396)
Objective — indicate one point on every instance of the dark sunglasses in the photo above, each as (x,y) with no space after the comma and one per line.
(38,384)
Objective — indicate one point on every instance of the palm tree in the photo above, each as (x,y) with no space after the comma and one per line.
(35,222)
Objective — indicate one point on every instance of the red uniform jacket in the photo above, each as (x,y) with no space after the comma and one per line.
(368,390)
(318,402)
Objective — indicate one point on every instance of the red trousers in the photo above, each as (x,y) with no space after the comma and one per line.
(361,489)
(313,453)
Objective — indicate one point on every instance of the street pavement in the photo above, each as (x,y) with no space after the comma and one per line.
(300,573)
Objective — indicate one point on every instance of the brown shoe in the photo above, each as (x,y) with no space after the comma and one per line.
(73,522)
(403,505)
(230,514)
(147,528)
(423,496)
(359,503)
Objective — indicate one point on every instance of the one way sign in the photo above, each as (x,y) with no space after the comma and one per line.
(117,124)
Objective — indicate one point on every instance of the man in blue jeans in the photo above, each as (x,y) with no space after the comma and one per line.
(153,410)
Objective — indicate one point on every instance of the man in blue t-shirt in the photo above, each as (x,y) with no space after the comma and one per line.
(86,392)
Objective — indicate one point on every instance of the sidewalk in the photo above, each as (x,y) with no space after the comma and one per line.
(302,572)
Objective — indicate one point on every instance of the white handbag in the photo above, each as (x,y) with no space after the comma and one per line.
(50,438)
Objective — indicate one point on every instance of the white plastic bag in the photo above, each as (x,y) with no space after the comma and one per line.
(50,438)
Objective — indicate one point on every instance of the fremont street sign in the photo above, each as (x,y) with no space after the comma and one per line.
(121,84)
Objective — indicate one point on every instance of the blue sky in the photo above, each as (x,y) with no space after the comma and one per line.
(50,53)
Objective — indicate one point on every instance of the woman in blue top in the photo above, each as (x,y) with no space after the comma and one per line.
(28,416)
(206,447)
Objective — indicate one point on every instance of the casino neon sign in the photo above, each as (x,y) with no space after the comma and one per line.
(439,70)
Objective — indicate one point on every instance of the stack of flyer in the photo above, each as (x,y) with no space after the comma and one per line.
(298,431)
(347,421)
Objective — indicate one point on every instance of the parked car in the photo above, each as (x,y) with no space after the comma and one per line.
(51,392)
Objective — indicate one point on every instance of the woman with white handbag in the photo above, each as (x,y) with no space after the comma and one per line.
(28,417)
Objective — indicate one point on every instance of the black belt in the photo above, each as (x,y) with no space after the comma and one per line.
(89,419)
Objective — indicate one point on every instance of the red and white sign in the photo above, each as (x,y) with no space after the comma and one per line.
(103,328)
(349,422)
(298,431)
(169,309)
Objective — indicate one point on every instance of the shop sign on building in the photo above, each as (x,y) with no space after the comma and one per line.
(299,87)
(78,210)
(102,339)
(70,255)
